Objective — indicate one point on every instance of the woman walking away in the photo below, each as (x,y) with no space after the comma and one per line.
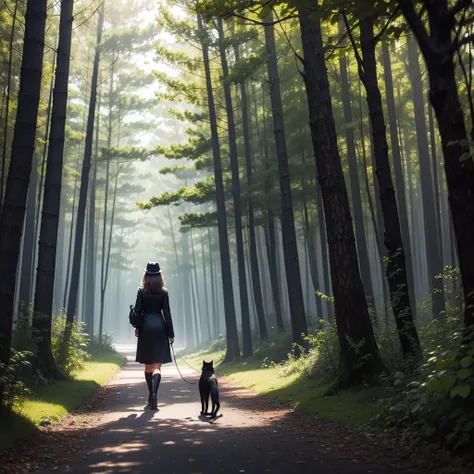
(155,329)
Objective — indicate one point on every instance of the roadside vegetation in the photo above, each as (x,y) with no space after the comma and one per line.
(33,401)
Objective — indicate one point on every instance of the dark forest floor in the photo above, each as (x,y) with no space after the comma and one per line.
(114,433)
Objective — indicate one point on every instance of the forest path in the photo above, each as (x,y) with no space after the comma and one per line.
(114,433)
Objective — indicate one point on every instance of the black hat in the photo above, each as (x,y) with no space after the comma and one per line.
(153,268)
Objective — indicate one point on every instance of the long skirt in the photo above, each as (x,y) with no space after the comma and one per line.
(153,344)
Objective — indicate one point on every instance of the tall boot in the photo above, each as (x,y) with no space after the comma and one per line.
(156,385)
(149,382)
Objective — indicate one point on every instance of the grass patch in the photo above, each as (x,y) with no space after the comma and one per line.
(58,399)
(352,407)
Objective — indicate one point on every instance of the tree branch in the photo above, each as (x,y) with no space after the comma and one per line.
(417,26)
(360,63)
(458,7)
(298,56)
(337,46)
(457,34)
(264,23)
(465,40)
(393,15)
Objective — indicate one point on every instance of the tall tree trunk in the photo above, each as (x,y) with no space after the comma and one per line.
(7,105)
(43,165)
(213,289)
(234,166)
(324,251)
(310,244)
(432,231)
(28,241)
(396,269)
(458,162)
(103,271)
(81,211)
(207,306)
(198,311)
(233,350)
(352,317)
(398,170)
(4,97)
(71,234)
(186,275)
(361,241)
(69,254)
(376,211)
(270,239)
(91,247)
(108,251)
(254,265)
(14,204)
(406,156)
(436,186)
(60,253)
(290,248)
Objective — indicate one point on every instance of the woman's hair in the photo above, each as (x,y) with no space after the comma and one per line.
(153,283)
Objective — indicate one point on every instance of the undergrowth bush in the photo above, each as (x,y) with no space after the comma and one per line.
(322,358)
(77,354)
(437,403)
(14,388)
(21,375)
(431,401)
(219,344)
(106,343)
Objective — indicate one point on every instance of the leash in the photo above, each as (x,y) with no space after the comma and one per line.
(179,372)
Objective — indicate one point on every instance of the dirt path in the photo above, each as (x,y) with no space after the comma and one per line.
(114,433)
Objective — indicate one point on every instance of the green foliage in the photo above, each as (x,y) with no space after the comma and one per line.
(14,388)
(437,402)
(177,57)
(178,90)
(105,344)
(192,150)
(77,353)
(321,360)
(125,154)
(219,344)
(247,67)
(199,219)
(172,169)
(202,192)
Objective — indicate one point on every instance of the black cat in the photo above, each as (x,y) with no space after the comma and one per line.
(208,385)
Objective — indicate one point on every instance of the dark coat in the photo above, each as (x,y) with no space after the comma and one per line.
(155,328)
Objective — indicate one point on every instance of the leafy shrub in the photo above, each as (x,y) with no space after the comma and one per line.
(107,342)
(437,404)
(219,344)
(321,360)
(77,353)
(14,389)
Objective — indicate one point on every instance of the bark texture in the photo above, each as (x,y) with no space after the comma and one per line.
(233,350)
(290,248)
(396,268)
(360,359)
(14,204)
